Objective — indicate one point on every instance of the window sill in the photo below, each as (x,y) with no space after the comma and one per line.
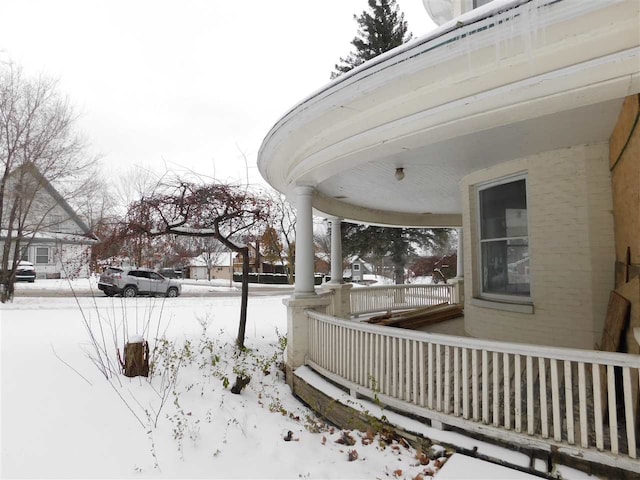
(504,306)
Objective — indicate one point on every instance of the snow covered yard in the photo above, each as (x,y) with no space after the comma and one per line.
(62,418)
(57,424)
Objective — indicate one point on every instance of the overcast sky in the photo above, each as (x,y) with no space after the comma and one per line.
(186,83)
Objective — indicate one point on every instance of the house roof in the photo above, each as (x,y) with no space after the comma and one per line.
(41,179)
(501,83)
(55,237)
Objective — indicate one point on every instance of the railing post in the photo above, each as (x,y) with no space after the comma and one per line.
(457,292)
(341,298)
(298,329)
(458,282)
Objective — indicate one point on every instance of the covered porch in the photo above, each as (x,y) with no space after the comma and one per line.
(515,124)
(565,405)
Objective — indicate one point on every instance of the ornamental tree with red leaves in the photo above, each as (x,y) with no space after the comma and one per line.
(228,213)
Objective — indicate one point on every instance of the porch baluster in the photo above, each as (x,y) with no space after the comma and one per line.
(568,393)
(544,413)
(582,393)
(507,391)
(438,377)
(423,384)
(517,367)
(456,381)
(430,378)
(613,417)
(530,406)
(475,390)
(485,386)
(408,376)
(415,370)
(628,410)
(597,406)
(555,400)
(496,389)
(447,378)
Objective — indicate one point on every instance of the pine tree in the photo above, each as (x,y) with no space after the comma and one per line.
(396,243)
(379,30)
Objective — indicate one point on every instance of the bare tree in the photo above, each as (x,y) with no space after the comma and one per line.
(38,147)
(279,240)
(223,212)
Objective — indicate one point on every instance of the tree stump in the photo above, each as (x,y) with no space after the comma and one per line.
(241,382)
(136,358)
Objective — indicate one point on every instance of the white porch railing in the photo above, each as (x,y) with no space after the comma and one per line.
(582,402)
(397,297)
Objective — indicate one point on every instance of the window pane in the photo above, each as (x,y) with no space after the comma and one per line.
(503,211)
(505,267)
(42,255)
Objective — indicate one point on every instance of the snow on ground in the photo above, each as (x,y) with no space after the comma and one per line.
(61,418)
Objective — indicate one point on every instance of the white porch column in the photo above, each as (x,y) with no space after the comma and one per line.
(460,265)
(304,296)
(304,284)
(336,250)
(340,291)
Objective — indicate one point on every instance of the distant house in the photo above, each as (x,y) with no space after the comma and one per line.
(53,237)
(220,267)
(358,269)
(258,263)
(322,263)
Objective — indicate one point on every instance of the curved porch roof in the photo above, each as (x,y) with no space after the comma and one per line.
(496,84)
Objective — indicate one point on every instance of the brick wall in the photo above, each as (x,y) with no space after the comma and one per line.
(571,245)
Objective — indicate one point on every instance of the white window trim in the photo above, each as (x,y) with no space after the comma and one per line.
(480,293)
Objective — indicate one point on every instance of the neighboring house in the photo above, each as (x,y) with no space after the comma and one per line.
(221,268)
(55,239)
(257,263)
(358,268)
(517,124)
(322,263)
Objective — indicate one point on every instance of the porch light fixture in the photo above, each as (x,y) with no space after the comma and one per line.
(399,173)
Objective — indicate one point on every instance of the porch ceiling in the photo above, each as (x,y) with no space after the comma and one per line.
(533,78)
(433,171)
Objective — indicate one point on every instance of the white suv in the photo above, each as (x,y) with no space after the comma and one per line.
(130,282)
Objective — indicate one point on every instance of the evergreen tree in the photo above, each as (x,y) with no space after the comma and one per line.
(379,30)
(397,243)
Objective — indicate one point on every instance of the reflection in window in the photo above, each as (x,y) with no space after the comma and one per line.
(504,239)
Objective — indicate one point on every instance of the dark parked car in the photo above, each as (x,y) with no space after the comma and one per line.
(170,272)
(130,282)
(25,272)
